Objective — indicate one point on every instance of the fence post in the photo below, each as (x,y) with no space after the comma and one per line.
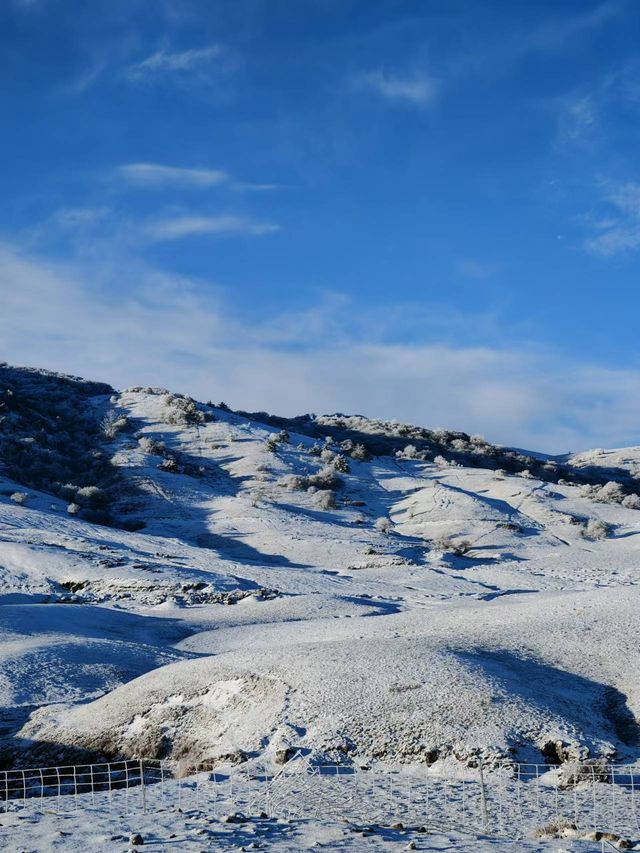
(144,791)
(483,798)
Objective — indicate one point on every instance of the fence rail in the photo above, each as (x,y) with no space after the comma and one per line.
(513,801)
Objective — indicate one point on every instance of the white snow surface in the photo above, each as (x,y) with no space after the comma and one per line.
(372,645)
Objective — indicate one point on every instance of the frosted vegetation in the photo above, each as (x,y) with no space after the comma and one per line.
(181,581)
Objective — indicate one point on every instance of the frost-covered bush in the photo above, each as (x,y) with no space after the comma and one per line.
(441,462)
(595,529)
(326,500)
(183,410)
(316,449)
(409,452)
(382,524)
(327,456)
(271,445)
(610,493)
(170,464)
(73,508)
(359,453)
(325,478)
(449,545)
(294,482)
(112,424)
(67,491)
(273,441)
(19,498)
(559,827)
(412,452)
(341,464)
(631,502)
(49,434)
(92,496)
(587,770)
(151,446)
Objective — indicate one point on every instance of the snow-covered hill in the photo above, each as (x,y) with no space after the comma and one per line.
(250,589)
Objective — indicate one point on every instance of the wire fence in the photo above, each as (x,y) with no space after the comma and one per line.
(513,801)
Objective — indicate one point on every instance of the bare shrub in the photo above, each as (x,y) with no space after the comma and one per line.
(19,498)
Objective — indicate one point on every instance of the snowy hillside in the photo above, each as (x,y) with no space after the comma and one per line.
(195,583)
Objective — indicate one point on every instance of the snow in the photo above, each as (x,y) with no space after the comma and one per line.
(366,645)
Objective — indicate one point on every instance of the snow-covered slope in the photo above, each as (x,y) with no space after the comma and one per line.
(420,609)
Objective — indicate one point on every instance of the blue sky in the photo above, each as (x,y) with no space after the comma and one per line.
(427,211)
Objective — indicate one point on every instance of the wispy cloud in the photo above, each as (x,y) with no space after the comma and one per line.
(165,62)
(152,175)
(418,89)
(177,227)
(577,119)
(618,230)
(515,394)
(475,268)
(555,35)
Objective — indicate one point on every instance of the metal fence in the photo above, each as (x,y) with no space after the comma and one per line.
(512,801)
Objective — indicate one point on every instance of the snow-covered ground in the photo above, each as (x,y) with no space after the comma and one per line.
(246,618)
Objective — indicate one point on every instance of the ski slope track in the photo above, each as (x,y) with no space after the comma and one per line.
(231,612)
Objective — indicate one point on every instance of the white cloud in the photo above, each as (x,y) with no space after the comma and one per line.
(619,230)
(158,329)
(158,175)
(418,89)
(177,227)
(164,62)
